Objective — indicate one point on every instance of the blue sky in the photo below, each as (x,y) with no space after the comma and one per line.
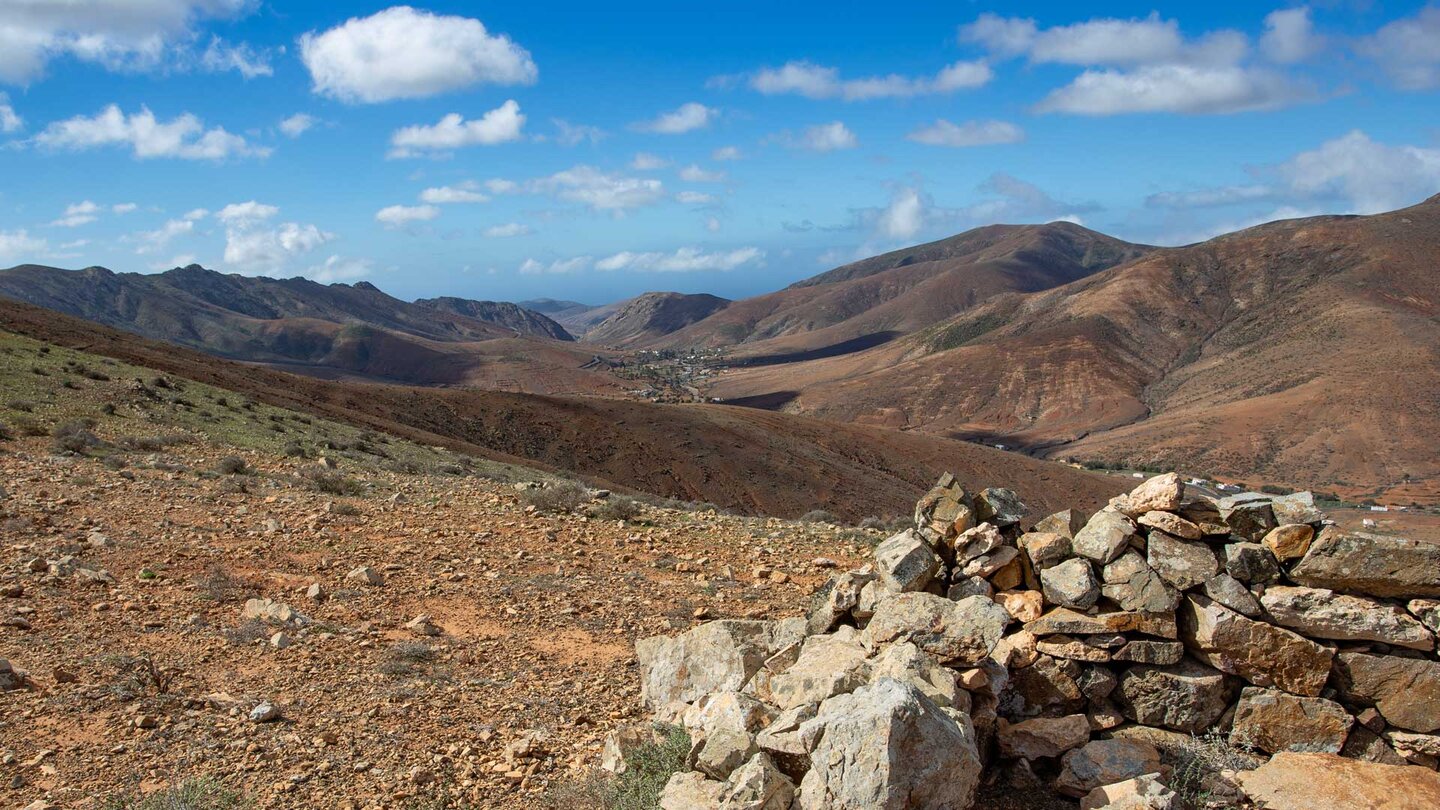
(593,151)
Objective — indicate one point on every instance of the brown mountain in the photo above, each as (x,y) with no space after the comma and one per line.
(641,320)
(577,318)
(1303,351)
(500,313)
(869,302)
(753,461)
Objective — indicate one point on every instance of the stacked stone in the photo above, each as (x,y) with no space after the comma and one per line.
(1086,651)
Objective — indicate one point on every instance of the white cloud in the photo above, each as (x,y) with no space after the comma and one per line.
(118,34)
(712,224)
(156,240)
(1002,36)
(695,198)
(10,121)
(904,217)
(1290,36)
(1210,197)
(598,190)
(1104,41)
(1175,88)
(508,230)
(499,185)
(297,124)
(1371,176)
(404,53)
(825,138)
(183,137)
(243,214)
(398,216)
(221,56)
(77,214)
(568,134)
(1406,49)
(684,260)
(21,246)
(559,266)
(253,246)
(123,208)
(726,153)
(817,81)
(969,133)
(685,118)
(646,162)
(695,174)
(459,193)
(500,125)
(196,213)
(338,268)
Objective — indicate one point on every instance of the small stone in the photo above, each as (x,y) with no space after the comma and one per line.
(1171,523)
(1045,549)
(316,592)
(1233,594)
(1163,493)
(265,713)
(422,625)
(1248,515)
(280,640)
(1001,507)
(906,562)
(1064,523)
(365,575)
(1182,563)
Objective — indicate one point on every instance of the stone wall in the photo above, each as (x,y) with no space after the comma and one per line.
(1087,652)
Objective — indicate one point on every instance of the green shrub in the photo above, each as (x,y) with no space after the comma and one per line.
(616,507)
(820,516)
(232,465)
(649,766)
(201,793)
(557,497)
(74,436)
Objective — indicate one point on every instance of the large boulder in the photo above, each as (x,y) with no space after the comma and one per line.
(1071,584)
(1292,781)
(1247,515)
(1187,697)
(1182,563)
(1045,549)
(1105,762)
(1141,793)
(960,632)
(944,511)
(906,562)
(1322,613)
(1105,536)
(1163,493)
(1371,564)
(1274,721)
(999,506)
(1132,584)
(1043,737)
(1261,653)
(1289,541)
(828,665)
(1066,523)
(713,657)
(1297,507)
(690,790)
(1406,691)
(888,747)
(757,785)
(838,600)
(905,662)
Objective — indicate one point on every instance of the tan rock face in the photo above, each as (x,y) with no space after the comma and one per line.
(1072,622)
(1105,762)
(1370,564)
(1171,523)
(828,665)
(1105,536)
(906,562)
(1289,541)
(1260,653)
(1188,697)
(956,632)
(1141,793)
(1292,781)
(1274,721)
(713,657)
(1163,493)
(1405,690)
(1322,613)
(1043,736)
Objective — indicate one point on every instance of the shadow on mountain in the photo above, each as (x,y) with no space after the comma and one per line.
(844,347)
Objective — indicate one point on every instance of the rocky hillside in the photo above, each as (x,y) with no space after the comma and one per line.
(577,318)
(1253,354)
(511,316)
(1152,656)
(640,320)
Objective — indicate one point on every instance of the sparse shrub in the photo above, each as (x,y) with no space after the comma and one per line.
(152,444)
(219,585)
(23,405)
(74,436)
(346,509)
(1205,755)
(616,507)
(249,632)
(556,497)
(820,516)
(1275,489)
(25,426)
(648,767)
(333,483)
(202,793)
(108,409)
(114,462)
(293,449)
(406,658)
(232,465)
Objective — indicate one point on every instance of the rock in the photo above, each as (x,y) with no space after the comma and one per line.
(1322,613)
(976,541)
(1294,781)
(1141,793)
(1370,564)
(1182,563)
(1045,549)
(723,752)
(1297,507)
(365,575)
(969,586)
(316,592)
(1163,493)
(1260,653)
(1105,762)
(888,747)
(1012,574)
(1233,594)
(987,564)
(837,603)
(10,680)
(905,662)
(1251,563)
(1362,743)
(1071,584)
(272,612)
(1274,721)
(1043,737)
(620,742)
(1204,512)
(827,666)
(1132,584)
(280,640)
(266,712)
(1145,651)
(689,790)
(1406,691)
(1171,523)
(1001,507)
(422,625)
(1071,622)
(1064,523)
(906,562)
(1072,648)
(757,785)
(955,632)
(1421,749)
(1023,606)
(1427,611)
(1187,697)
(715,656)
(787,739)
(1049,686)
(1104,537)
(1289,541)
(945,511)
(736,711)
(1248,515)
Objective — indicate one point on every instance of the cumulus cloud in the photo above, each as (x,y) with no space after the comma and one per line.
(339,268)
(509,229)
(726,153)
(398,216)
(10,121)
(824,138)
(1406,49)
(685,118)
(158,239)
(646,162)
(820,82)
(599,190)
(904,216)
(684,260)
(559,266)
(255,246)
(465,192)
(568,134)
(246,213)
(297,124)
(1104,41)
(19,245)
(695,198)
(183,137)
(123,208)
(1175,88)
(969,133)
(499,185)
(117,34)
(220,56)
(1290,36)
(695,174)
(911,212)
(77,214)
(405,53)
(500,125)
